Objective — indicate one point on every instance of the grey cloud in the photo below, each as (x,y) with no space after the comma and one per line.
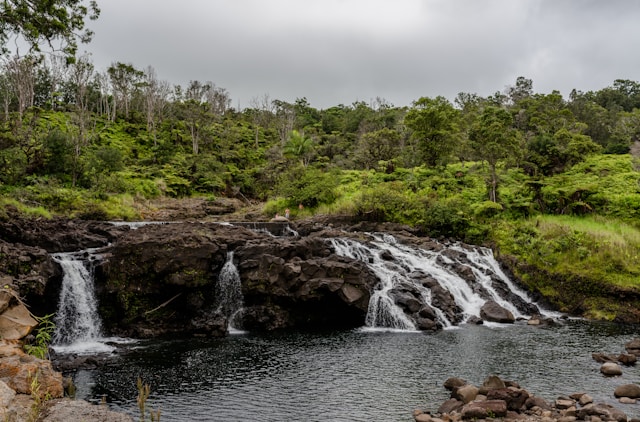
(341,51)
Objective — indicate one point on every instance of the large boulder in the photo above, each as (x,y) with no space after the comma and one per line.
(26,374)
(628,390)
(493,312)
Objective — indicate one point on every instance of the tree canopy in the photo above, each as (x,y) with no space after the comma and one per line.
(47,21)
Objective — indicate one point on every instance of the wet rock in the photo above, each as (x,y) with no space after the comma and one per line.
(633,346)
(454,382)
(611,369)
(627,390)
(493,312)
(627,359)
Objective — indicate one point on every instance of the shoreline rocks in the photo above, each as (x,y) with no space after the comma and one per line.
(506,400)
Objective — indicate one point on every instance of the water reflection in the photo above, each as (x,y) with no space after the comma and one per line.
(353,375)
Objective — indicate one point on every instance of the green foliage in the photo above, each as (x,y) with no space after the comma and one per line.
(446,218)
(388,201)
(45,329)
(45,22)
(308,186)
(434,123)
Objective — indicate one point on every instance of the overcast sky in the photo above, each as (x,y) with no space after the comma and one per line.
(340,51)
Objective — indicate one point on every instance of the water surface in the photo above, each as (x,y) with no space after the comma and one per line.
(353,375)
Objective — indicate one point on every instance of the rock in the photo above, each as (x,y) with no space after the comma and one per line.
(533,321)
(627,390)
(514,398)
(451,405)
(627,359)
(537,401)
(65,410)
(23,373)
(454,382)
(465,393)
(602,357)
(16,321)
(627,400)
(492,382)
(585,399)
(493,312)
(564,403)
(423,417)
(484,409)
(603,411)
(611,369)
(6,395)
(633,346)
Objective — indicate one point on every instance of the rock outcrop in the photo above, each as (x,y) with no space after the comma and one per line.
(161,279)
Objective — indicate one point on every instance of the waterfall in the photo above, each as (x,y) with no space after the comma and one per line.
(77,320)
(399,266)
(229,293)
(78,324)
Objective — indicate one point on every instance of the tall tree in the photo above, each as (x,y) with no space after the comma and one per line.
(493,138)
(46,21)
(434,122)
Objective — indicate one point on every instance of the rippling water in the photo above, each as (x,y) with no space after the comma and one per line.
(353,375)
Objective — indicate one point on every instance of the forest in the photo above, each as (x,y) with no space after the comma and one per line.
(549,180)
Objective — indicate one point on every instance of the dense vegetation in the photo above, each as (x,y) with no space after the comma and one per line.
(549,180)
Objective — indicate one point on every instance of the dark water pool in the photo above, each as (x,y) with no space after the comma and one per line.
(353,375)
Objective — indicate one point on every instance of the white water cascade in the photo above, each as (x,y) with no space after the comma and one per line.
(394,263)
(229,293)
(78,324)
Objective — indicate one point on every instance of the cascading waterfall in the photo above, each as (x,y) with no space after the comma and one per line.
(77,319)
(394,263)
(229,293)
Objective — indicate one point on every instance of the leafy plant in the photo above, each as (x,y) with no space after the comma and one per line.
(46,328)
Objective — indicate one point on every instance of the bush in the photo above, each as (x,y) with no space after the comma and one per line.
(445,219)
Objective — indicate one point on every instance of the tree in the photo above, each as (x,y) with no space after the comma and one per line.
(380,145)
(493,138)
(39,21)
(124,79)
(299,146)
(434,123)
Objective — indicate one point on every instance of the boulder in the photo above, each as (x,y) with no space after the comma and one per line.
(16,321)
(611,369)
(514,398)
(451,405)
(64,410)
(493,312)
(633,346)
(484,409)
(492,382)
(627,390)
(453,382)
(28,375)
(603,411)
(627,359)
(465,393)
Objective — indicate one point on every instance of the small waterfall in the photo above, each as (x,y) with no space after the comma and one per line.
(400,267)
(229,293)
(78,324)
(77,320)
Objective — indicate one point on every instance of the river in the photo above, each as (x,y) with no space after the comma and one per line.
(357,375)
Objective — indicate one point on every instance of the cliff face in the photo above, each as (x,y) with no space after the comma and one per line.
(163,279)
